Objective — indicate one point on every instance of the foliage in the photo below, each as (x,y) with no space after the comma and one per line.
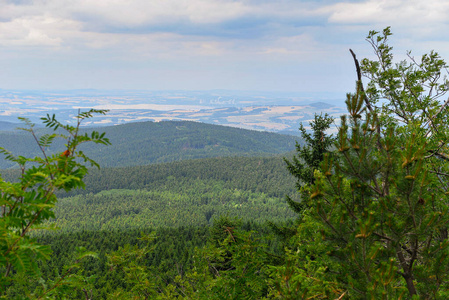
(130,260)
(302,166)
(377,223)
(307,159)
(172,253)
(29,202)
(310,155)
(231,266)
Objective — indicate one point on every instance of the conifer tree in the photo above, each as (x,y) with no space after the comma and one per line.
(309,155)
(376,226)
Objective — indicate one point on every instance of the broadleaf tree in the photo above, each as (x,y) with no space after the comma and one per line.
(25,205)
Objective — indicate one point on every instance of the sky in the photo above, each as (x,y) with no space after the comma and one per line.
(261,45)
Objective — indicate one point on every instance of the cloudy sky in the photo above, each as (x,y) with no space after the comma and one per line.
(263,45)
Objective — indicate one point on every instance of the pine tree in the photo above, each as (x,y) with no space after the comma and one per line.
(376,223)
(309,156)
(303,165)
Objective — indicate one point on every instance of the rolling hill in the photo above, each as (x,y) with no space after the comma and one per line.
(145,143)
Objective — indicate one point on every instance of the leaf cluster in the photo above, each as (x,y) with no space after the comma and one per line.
(27,203)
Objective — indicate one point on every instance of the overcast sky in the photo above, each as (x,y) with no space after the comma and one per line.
(263,45)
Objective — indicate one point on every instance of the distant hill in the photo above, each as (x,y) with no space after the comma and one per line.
(321,105)
(144,143)
(8,125)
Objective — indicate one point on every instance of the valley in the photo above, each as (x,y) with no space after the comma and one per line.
(263,111)
(173,178)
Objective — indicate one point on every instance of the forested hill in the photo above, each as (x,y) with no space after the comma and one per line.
(254,174)
(7,125)
(184,193)
(149,142)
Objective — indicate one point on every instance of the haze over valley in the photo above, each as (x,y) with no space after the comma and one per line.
(264,111)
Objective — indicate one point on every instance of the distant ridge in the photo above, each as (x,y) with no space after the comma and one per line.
(321,105)
(8,125)
(142,143)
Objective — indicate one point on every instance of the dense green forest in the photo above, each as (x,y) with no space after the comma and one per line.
(186,193)
(178,200)
(255,174)
(142,143)
(173,253)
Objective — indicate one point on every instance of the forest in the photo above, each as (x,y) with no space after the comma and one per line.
(142,143)
(361,214)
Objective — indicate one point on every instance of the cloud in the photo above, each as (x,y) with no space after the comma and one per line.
(226,41)
(302,46)
(159,28)
(415,12)
(424,20)
(142,12)
(221,18)
(34,31)
(77,22)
